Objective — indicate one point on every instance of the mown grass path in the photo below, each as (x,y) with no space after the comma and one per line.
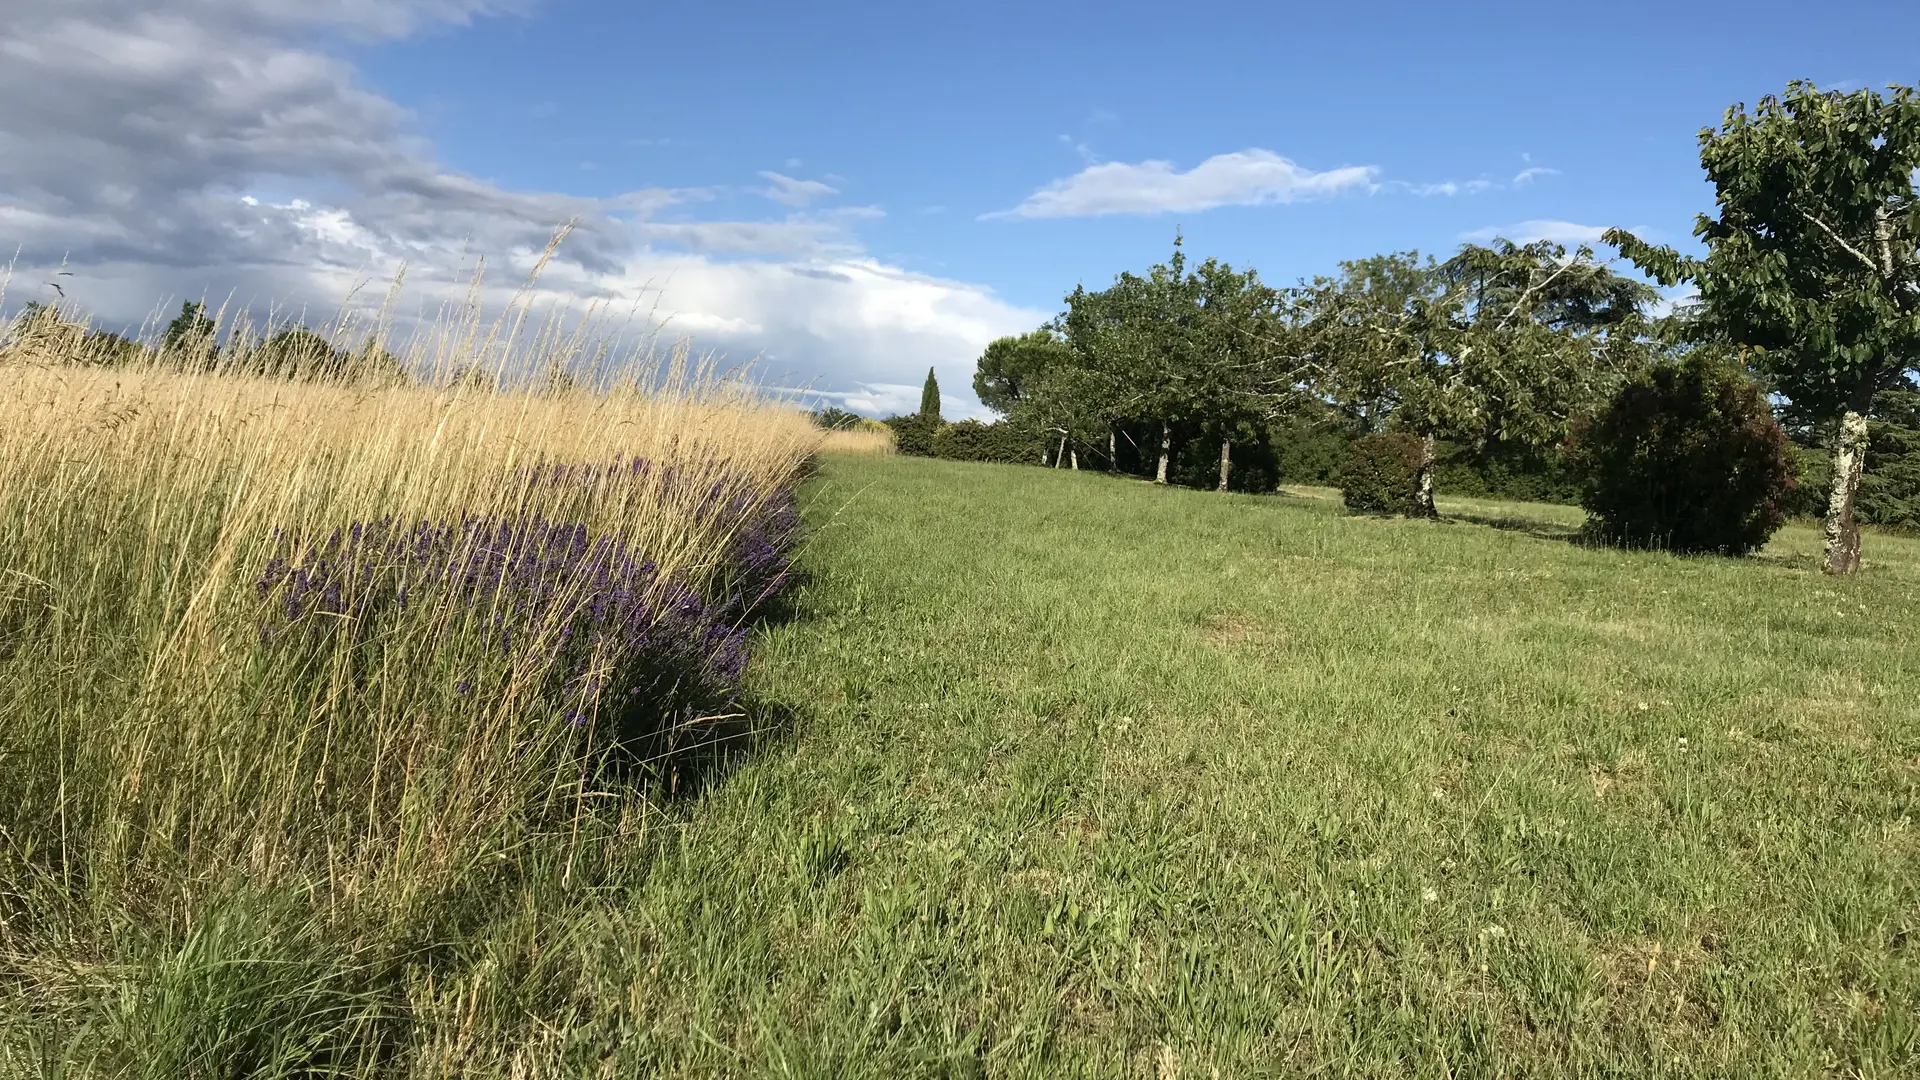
(1090,778)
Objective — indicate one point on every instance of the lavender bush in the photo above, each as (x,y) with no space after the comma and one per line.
(608,638)
(761,530)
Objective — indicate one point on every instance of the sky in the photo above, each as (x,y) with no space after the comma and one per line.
(846,194)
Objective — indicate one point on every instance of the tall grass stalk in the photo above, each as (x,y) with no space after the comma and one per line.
(230,848)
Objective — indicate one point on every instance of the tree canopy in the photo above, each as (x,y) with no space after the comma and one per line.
(1812,261)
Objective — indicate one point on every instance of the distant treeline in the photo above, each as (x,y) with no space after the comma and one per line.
(195,340)
(1304,452)
(1492,360)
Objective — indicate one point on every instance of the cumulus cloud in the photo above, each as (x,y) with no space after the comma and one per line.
(1243,178)
(215,148)
(1526,232)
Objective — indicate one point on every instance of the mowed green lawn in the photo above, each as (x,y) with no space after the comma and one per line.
(1089,778)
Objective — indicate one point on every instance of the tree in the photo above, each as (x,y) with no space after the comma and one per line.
(835,418)
(1890,489)
(191,331)
(1245,369)
(1067,404)
(930,398)
(296,352)
(1506,343)
(1009,363)
(112,350)
(1142,335)
(1813,261)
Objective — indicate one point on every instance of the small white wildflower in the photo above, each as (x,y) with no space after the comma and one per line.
(1429,894)
(1493,932)
(1438,794)
(1683,744)
(1643,706)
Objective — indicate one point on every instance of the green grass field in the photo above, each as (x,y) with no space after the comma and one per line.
(1087,778)
(1065,775)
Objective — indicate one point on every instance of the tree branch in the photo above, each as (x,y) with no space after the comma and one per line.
(1865,259)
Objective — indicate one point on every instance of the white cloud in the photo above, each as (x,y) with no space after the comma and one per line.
(881,325)
(1244,178)
(1529,175)
(185,148)
(790,192)
(1080,148)
(1450,188)
(1526,232)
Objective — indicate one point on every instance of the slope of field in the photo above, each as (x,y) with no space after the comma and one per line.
(1090,778)
(1064,775)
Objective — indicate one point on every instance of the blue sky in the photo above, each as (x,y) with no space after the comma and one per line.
(938,114)
(854,191)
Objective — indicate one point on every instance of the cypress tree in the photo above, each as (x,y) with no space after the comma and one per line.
(930,397)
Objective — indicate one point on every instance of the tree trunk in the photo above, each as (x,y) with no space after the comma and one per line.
(1849,459)
(1113,451)
(1166,450)
(1226,456)
(1423,479)
(1060,455)
(1074,456)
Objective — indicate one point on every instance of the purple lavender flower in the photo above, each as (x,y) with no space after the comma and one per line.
(589,612)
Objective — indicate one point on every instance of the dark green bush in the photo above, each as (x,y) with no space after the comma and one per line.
(1688,458)
(1501,471)
(1378,475)
(1309,450)
(914,433)
(1812,467)
(971,440)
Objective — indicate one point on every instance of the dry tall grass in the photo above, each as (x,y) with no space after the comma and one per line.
(872,437)
(158,762)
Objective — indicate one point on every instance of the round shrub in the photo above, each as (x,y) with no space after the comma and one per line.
(1688,458)
(1379,472)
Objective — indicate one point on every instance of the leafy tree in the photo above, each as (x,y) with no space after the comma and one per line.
(1506,343)
(1245,370)
(191,332)
(1069,404)
(834,418)
(373,363)
(930,398)
(1180,348)
(1007,365)
(1141,334)
(1890,488)
(112,350)
(296,352)
(40,329)
(1813,262)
